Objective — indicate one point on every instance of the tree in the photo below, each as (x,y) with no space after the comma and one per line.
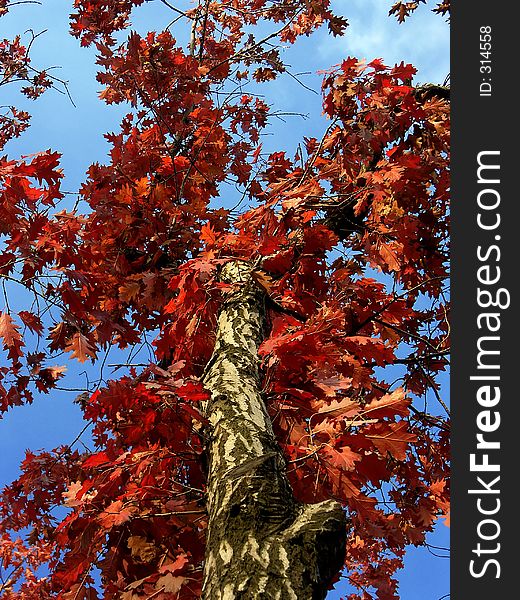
(262,449)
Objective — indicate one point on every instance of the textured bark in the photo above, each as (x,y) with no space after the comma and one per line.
(261,542)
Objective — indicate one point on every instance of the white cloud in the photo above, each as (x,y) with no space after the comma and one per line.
(422,40)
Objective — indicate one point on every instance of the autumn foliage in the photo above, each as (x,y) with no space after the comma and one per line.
(348,240)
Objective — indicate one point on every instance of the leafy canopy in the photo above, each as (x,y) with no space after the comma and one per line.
(370,196)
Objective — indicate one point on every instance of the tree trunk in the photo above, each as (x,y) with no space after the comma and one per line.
(261,543)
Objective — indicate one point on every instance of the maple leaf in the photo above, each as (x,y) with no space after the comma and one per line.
(12,339)
(59,336)
(80,347)
(370,348)
(116,514)
(45,166)
(32,321)
(390,256)
(392,438)
(346,407)
(389,405)
(130,290)
(264,281)
(170,584)
(426,515)
(337,25)
(208,234)
(404,9)
(141,548)
(94,460)
(331,385)
(70,495)
(437,487)
(344,458)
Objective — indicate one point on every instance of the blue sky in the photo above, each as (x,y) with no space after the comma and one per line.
(76,132)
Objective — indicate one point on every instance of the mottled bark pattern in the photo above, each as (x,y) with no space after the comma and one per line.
(261,543)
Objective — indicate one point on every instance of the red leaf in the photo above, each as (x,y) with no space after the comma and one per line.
(11,336)
(208,235)
(391,438)
(94,460)
(177,565)
(389,405)
(115,514)
(32,321)
(170,584)
(9,331)
(343,458)
(80,348)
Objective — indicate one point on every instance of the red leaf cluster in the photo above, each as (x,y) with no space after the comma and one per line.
(368,198)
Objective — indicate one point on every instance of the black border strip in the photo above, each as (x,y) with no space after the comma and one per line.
(485,231)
